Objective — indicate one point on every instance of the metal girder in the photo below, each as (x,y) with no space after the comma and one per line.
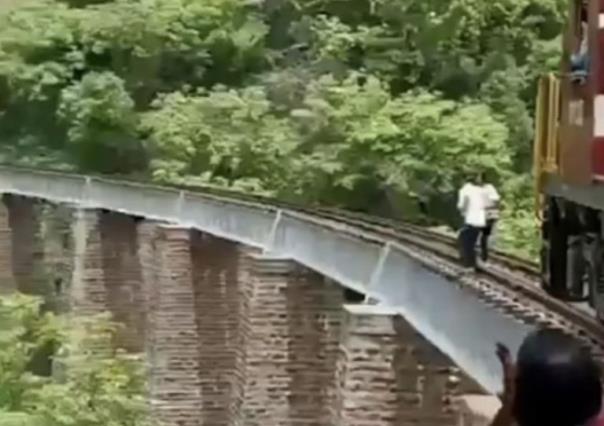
(453,319)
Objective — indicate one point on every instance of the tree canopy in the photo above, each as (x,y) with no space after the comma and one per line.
(371,104)
(83,387)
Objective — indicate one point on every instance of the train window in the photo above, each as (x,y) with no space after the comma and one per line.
(579,56)
(580,26)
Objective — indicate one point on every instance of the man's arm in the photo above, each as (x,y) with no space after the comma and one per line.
(505,415)
(495,195)
(461,200)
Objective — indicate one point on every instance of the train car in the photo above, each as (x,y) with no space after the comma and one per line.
(569,162)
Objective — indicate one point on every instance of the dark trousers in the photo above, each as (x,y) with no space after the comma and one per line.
(485,233)
(468,236)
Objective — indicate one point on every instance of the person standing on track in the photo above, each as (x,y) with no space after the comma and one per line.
(472,205)
(492,199)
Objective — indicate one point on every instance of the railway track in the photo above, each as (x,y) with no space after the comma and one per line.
(509,284)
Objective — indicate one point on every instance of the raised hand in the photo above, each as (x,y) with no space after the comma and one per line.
(505,416)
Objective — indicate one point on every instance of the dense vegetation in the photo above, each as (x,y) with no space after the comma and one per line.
(377,105)
(88,387)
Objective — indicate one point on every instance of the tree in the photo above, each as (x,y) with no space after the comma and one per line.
(359,104)
(101,124)
(97,387)
(371,141)
(224,137)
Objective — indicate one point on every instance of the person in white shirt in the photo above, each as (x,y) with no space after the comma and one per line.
(472,204)
(492,199)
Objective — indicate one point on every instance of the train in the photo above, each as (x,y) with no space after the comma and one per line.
(568,162)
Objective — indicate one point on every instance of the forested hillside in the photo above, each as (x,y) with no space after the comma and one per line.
(86,388)
(368,104)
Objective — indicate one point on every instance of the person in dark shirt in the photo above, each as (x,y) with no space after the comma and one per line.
(555,382)
(579,60)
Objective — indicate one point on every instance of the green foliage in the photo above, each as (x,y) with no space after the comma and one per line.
(346,138)
(370,105)
(136,49)
(99,386)
(362,136)
(23,333)
(225,137)
(502,92)
(101,123)
(518,230)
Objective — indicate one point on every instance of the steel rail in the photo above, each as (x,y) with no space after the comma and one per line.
(381,263)
(504,271)
(526,286)
(497,256)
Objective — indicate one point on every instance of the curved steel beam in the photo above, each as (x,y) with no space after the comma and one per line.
(453,319)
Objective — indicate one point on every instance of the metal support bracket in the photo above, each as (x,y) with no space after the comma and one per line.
(86,192)
(379,268)
(270,240)
(179,204)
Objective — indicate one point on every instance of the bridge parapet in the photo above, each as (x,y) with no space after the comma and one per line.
(123,224)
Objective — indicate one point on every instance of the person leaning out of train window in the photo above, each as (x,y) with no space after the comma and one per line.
(554,382)
(579,60)
(471,204)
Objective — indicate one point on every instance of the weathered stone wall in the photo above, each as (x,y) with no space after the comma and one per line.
(88,292)
(176,386)
(315,312)
(35,248)
(123,278)
(384,378)
(232,337)
(288,338)
(263,338)
(7,279)
(366,370)
(215,273)
(424,370)
(27,248)
(147,237)
(58,253)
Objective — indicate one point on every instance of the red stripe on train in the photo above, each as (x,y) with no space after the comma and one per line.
(597,156)
(597,57)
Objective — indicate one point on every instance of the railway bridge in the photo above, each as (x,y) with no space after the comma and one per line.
(251,313)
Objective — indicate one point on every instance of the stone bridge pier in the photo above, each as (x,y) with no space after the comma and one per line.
(232,337)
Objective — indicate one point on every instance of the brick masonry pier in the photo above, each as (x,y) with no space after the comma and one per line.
(232,337)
